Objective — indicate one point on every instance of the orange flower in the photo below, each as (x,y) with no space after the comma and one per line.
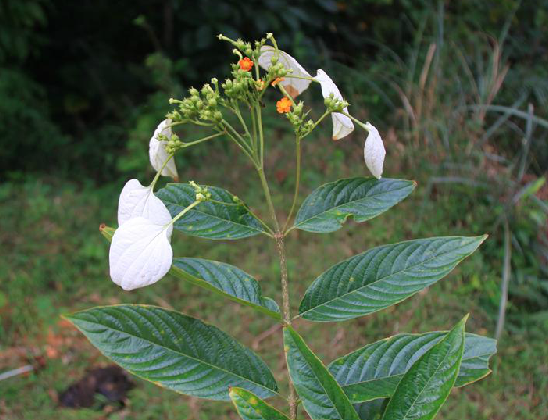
(245,64)
(276,81)
(283,105)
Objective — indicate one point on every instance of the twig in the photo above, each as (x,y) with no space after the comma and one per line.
(15,372)
(264,335)
(505,280)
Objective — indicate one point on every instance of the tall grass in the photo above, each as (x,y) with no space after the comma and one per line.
(461,108)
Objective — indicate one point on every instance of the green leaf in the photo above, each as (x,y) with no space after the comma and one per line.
(375,370)
(383,276)
(226,280)
(251,407)
(224,218)
(321,395)
(425,387)
(107,232)
(174,351)
(328,207)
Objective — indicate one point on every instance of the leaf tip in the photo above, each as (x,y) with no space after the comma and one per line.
(106,231)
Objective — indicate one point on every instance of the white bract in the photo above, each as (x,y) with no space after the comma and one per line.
(140,253)
(137,200)
(294,86)
(374,151)
(157,150)
(342,125)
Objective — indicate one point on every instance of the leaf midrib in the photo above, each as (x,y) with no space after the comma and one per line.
(316,216)
(219,218)
(187,356)
(216,217)
(379,279)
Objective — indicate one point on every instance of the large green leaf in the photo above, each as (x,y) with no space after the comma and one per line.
(226,280)
(251,407)
(383,276)
(425,387)
(226,217)
(375,370)
(321,395)
(174,351)
(328,207)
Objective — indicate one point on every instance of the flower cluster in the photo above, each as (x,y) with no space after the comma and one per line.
(200,105)
(141,253)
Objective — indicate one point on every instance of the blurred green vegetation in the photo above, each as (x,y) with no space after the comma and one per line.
(458,90)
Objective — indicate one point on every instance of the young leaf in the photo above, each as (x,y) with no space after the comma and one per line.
(321,395)
(425,387)
(383,276)
(251,407)
(226,280)
(174,350)
(375,370)
(328,207)
(226,217)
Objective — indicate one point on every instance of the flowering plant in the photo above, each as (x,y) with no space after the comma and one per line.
(407,376)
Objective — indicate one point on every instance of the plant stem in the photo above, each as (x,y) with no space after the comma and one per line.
(261,137)
(286,309)
(159,173)
(297,183)
(192,143)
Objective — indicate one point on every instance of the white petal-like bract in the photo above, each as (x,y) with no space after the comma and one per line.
(157,150)
(342,125)
(137,200)
(140,253)
(292,85)
(374,151)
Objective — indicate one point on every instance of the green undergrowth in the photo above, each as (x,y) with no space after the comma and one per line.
(54,261)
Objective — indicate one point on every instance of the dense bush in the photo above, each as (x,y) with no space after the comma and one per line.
(79,78)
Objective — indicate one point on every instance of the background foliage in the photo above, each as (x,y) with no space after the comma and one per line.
(78,103)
